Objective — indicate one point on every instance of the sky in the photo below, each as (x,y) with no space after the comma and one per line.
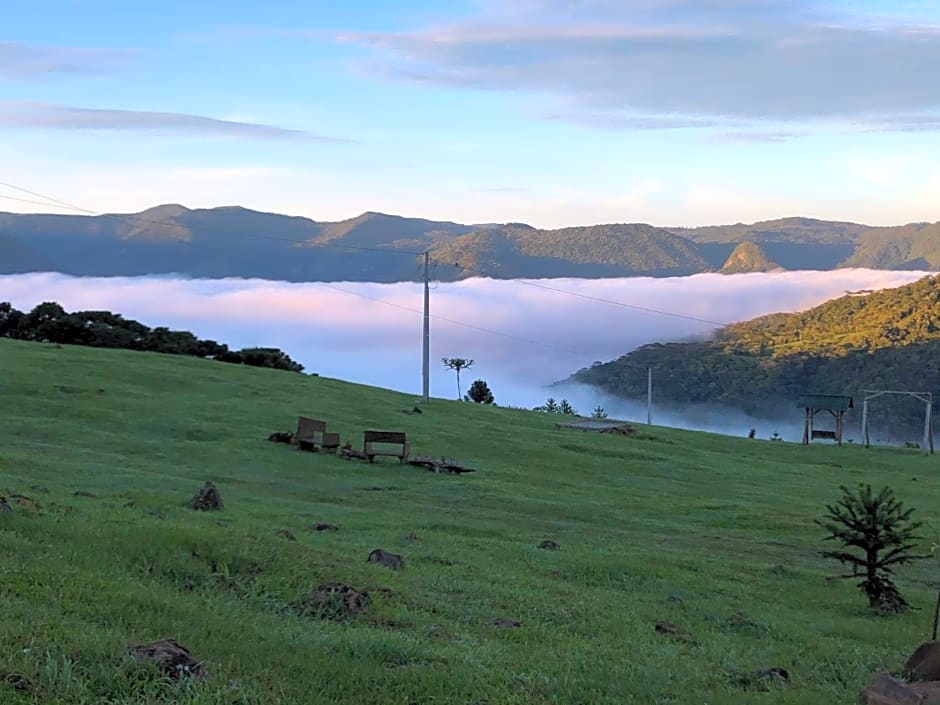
(551,112)
(520,337)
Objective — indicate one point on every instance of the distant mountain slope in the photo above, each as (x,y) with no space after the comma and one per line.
(239,242)
(889,339)
(593,251)
(748,257)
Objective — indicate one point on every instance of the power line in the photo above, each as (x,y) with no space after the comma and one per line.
(588,297)
(55,202)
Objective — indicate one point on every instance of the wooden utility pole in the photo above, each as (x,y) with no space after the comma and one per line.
(649,396)
(426,362)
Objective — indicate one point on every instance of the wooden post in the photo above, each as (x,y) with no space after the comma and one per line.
(927,445)
(839,427)
(865,421)
(806,428)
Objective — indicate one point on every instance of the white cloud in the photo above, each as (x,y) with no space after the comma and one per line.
(47,116)
(19,60)
(638,64)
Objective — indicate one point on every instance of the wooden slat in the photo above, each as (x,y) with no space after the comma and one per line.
(384,437)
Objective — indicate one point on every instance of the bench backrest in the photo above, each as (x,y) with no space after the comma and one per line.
(823,434)
(308,428)
(384,437)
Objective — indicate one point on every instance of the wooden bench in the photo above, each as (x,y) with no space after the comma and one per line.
(385,438)
(824,434)
(311,434)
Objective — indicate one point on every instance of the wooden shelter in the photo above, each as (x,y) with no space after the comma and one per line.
(812,404)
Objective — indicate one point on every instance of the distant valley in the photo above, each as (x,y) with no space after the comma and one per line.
(237,242)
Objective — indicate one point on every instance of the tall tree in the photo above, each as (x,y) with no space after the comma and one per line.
(457,364)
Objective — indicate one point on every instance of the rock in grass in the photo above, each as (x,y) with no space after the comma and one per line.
(17,681)
(389,560)
(326,527)
(924,663)
(4,505)
(285,534)
(173,659)
(84,493)
(281,437)
(888,690)
(549,545)
(206,499)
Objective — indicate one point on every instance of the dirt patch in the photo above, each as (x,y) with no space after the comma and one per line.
(326,527)
(504,623)
(281,437)
(24,501)
(207,499)
(173,659)
(334,601)
(764,680)
(549,545)
(285,534)
(674,632)
(389,560)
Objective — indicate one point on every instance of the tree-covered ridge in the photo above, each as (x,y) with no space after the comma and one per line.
(888,339)
(239,242)
(49,322)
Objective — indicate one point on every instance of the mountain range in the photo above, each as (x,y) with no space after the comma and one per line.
(888,339)
(235,241)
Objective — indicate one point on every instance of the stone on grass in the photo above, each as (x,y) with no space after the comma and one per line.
(173,659)
(281,437)
(4,505)
(885,689)
(389,560)
(326,527)
(17,681)
(206,499)
(84,493)
(285,534)
(924,663)
(549,545)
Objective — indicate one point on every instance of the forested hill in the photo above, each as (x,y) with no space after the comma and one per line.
(235,241)
(888,339)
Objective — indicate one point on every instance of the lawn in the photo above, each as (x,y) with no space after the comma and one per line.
(714,535)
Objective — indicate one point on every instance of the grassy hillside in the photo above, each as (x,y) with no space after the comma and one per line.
(726,525)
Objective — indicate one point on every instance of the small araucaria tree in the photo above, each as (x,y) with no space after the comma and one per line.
(480,393)
(882,535)
(456,364)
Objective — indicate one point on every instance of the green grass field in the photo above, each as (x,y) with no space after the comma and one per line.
(725,524)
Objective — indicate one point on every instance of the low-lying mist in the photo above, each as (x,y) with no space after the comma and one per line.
(522,338)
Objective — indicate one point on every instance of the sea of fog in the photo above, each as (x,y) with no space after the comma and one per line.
(521,335)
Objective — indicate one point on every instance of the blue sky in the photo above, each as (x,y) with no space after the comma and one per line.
(552,112)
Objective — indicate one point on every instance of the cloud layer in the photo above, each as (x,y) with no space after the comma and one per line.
(640,64)
(18,60)
(65,117)
(521,337)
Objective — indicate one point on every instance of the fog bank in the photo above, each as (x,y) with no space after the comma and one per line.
(371,333)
